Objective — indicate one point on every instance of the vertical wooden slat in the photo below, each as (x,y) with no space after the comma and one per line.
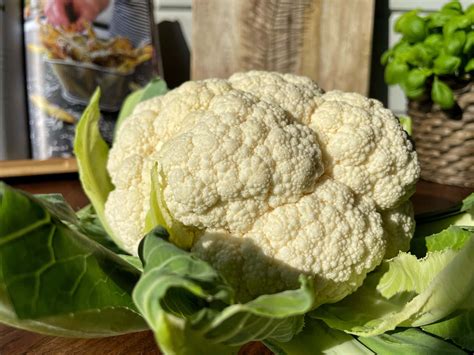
(215,38)
(346,44)
(327,40)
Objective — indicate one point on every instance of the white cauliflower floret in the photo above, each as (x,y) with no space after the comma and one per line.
(328,234)
(228,157)
(365,148)
(399,226)
(242,158)
(363,144)
(298,95)
(272,177)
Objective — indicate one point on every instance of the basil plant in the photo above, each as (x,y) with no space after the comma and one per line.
(434,50)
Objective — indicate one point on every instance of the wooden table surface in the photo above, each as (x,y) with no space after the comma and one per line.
(428,197)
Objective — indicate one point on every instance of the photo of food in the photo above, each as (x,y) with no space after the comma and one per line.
(73,47)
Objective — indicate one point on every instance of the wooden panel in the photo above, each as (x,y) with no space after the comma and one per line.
(346,44)
(11,168)
(328,40)
(214,38)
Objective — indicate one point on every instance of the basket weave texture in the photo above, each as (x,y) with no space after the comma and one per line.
(445,140)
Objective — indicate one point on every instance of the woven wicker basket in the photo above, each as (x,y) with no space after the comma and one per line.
(445,140)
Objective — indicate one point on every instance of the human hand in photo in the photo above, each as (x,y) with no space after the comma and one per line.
(73,12)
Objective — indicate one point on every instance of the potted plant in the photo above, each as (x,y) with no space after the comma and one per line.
(434,65)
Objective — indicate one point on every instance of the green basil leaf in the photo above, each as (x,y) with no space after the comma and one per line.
(454,43)
(411,26)
(438,19)
(56,281)
(395,72)
(469,45)
(446,64)
(456,23)
(406,123)
(470,13)
(452,7)
(469,66)
(385,57)
(416,78)
(191,308)
(434,41)
(442,94)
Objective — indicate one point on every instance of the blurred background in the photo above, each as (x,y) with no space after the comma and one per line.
(338,43)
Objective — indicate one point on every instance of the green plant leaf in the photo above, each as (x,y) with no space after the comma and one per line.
(459,329)
(128,106)
(395,72)
(470,13)
(405,291)
(414,83)
(56,281)
(434,41)
(406,123)
(411,26)
(446,64)
(155,87)
(92,153)
(318,338)
(84,221)
(469,45)
(183,297)
(385,57)
(469,66)
(454,43)
(159,215)
(455,23)
(438,19)
(409,341)
(90,225)
(442,94)
(453,237)
(452,7)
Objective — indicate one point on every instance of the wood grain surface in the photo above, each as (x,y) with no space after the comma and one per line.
(428,197)
(13,168)
(301,37)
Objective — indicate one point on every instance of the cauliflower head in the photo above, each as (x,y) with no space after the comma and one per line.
(278,178)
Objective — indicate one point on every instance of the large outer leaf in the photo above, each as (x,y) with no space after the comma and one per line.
(55,280)
(85,220)
(406,291)
(317,338)
(459,329)
(92,153)
(410,341)
(182,297)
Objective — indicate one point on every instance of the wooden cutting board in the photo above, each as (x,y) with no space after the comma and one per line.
(328,40)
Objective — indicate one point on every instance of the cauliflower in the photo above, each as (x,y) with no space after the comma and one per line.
(278,178)
(328,234)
